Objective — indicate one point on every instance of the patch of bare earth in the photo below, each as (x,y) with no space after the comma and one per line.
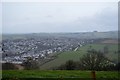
(110,42)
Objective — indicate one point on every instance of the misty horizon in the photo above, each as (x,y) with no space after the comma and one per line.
(62,32)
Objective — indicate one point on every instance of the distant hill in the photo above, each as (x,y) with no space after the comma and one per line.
(80,35)
(0,37)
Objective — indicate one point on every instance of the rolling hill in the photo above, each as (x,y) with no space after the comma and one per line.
(80,35)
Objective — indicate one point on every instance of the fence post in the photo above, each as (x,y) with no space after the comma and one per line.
(93,74)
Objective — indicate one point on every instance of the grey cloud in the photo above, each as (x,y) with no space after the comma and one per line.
(49,16)
(106,20)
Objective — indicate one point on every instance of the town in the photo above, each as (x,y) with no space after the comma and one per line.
(18,50)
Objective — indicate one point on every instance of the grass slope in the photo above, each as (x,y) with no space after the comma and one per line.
(75,55)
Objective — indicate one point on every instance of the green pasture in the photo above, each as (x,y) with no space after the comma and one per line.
(76,55)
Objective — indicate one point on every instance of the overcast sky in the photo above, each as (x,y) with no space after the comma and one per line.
(36,17)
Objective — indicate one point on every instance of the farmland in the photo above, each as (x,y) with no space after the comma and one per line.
(75,55)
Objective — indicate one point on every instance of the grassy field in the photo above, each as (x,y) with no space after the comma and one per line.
(57,74)
(75,55)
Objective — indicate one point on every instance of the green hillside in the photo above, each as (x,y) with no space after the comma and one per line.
(75,55)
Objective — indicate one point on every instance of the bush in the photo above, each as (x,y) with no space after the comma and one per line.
(30,64)
(69,65)
(8,66)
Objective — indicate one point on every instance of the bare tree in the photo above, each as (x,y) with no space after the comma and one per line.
(93,60)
